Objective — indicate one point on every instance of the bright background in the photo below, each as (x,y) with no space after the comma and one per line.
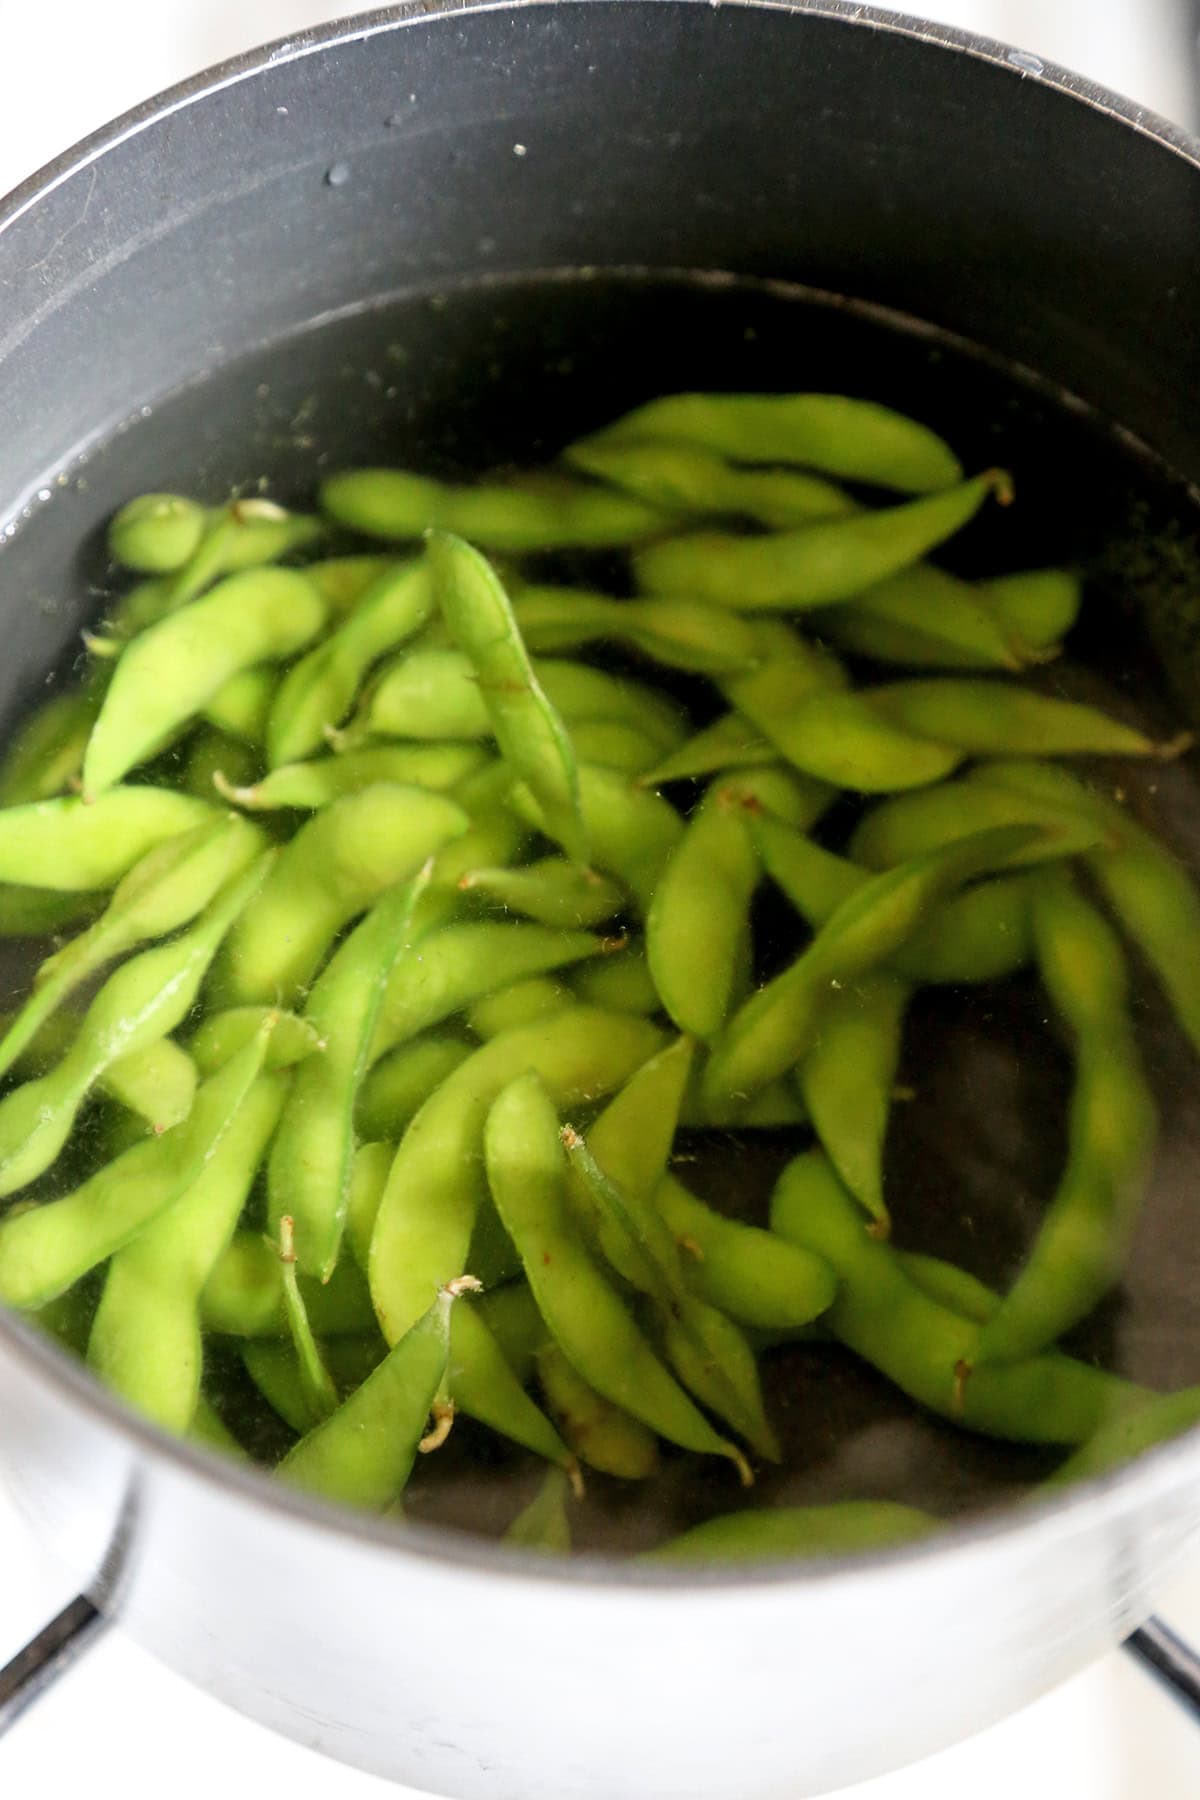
(68,66)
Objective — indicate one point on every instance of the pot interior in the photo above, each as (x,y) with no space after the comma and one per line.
(467,378)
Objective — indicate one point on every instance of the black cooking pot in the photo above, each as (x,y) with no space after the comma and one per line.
(454,236)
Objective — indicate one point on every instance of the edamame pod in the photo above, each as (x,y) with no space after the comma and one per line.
(158,1082)
(552,890)
(856,440)
(242,705)
(72,846)
(222,1035)
(631,832)
(831,559)
(390,504)
(847,1079)
(620,982)
(730,742)
(308,786)
(46,754)
(520,1004)
(601,1434)
(1036,606)
(168,673)
(992,718)
(689,478)
(243,1297)
(846,1528)
(399,1084)
(155,534)
(927,618)
(759,1279)
(909,825)
(1119,1441)
(679,633)
(926,1349)
(543,1525)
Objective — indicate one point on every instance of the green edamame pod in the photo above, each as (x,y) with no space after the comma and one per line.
(274,1368)
(856,440)
(42,912)
(543,1525)
(1120,1440)
(620,982)
(309,1172)
(511,1315)
(46,754)
(222,1035)
(925,1348)
(953,1288)
(316,1383)
(777,1025)
(397,1087)
(364,1452)
(615,744)
(520,1004)
(679,633)
(243,1297)
(994,718)
(144,1000)
(1083,1240)
(156,533)
(461,962)
(601,1434)
(207,1427)
(44,1249)
(168,673)
(844,740)
(244,534)
(146,1339)
(730,742)
(527,1176)
(927,618)
(165,889)
(1036,606)
(528,728)
(343,580)
(431,692)
(158,1082)
(689,478)
(847,1528)
(631,832)
(1152,894)
(72,847)
(308,786)
(759,1279)
(338,863)
(318,691)
(911,825)
(435,1187)
(217,762)
(831,559)
(368,1178)
(847,1079)
(390,504)
(242,704)
(553,891)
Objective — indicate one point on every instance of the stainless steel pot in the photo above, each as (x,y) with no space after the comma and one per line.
(240,223)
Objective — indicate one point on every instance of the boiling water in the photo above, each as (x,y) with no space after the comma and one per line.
(485,376)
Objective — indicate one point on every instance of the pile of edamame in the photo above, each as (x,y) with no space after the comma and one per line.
(402,915)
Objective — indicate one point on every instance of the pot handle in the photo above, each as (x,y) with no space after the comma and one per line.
(1170,1660)
(46,1657)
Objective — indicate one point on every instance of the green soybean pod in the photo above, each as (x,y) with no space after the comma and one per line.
(222,1034)
(217,762)
(631,832)
(158,1082)
(690,478)
(396,506)
(363,1453)
(994,718)
(398,1085)
(846,1528)
(368,1178)
(953,1288)
(926,1349)
(71,846)
(518,1005)
(621,982)
(308,786)
(616,744)
(1121,1439)
(145,1342)
(527,726)
(164,890)
(583,694)
(754,1276)
(853,439)
(142,1001)
(845,740)
(339,862)
(308,1177)
(527,1176)
(730,742)
(45,1249)
(511,1315)
(209,1429)
(601,1434)
(170,671)
(679,633)
(244,534)
(460,962)
(909,825)
(831,559)
(155,534)
(243,1297)
(1035,606)
(46,753)
(29,912)
(927,618)
(777,1025)
(318,691)
(435,1188)
(552,890)
(847,1079)
(1083,1240)
(242,705)
(543,1525)
(430,692)
(343,580)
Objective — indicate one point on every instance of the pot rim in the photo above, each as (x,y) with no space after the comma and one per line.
(1155,1471)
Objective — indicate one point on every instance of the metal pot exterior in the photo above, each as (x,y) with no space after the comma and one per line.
(821,144)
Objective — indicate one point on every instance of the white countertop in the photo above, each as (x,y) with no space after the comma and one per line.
(1109,1734)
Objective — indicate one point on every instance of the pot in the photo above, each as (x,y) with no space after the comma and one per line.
(327,250)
